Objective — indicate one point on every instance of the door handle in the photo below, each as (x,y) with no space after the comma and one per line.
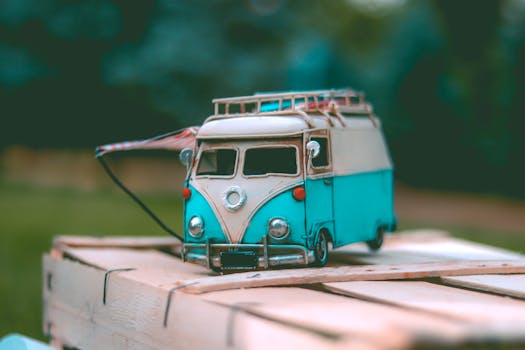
(327,181)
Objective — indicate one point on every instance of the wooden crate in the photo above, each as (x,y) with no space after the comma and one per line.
(424,288)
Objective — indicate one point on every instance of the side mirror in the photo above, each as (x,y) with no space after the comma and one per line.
(186,156)
(313,148)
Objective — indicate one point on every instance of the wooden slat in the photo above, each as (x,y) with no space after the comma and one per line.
(489,316)
(116,242)
(356,319)
(133,317)
(511,285)
(421,246)
(354,273)
(136,300)
(147,265)
(134,311)
(403,313)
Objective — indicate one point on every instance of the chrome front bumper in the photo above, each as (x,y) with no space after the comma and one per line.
(291,254)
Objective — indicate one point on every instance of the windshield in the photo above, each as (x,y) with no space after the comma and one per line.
(218,162)
(270,160)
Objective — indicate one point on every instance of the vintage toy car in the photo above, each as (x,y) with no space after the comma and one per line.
(273,179)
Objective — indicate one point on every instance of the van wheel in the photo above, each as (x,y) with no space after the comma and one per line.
(321,249)
(377,242)
(216,269)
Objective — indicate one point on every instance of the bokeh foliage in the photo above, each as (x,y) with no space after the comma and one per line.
(447,77)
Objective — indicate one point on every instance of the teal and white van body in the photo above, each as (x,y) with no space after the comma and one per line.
(276,185)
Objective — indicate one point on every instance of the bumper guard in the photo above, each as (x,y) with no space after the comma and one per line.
(292,254)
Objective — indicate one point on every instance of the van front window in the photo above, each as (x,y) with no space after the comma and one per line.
(270,160)
(217,162)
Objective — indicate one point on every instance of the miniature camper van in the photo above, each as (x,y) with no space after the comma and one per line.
(274,179)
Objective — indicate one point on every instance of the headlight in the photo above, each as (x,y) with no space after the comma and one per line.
(278,228)
(196,227)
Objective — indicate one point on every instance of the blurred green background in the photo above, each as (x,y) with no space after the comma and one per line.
(446,77)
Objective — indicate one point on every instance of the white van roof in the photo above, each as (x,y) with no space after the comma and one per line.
(275,126)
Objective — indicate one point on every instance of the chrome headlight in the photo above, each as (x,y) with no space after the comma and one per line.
(196,227)
(278,228)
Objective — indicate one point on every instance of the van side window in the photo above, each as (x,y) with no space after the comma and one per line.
(322,159)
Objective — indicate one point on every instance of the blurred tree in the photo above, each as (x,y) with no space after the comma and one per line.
(445,76)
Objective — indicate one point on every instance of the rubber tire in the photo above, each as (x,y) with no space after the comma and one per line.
(216,269)
(321,249)
(376,243)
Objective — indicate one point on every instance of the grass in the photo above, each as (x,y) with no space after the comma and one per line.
(30,217)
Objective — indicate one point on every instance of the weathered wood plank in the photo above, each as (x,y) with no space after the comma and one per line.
(116,242)
(354,273)
(420,246)
(511,285)
(336,315)
(146,265)
(490,317)
(134,316)
(222,316)
(417,246)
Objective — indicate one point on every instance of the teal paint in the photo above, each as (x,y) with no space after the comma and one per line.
(20,342)
(362,203)
(274,106)
(198,205)
(284,206)
(319,206)
(350,207)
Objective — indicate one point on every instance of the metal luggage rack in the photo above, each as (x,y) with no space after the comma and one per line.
(329,103)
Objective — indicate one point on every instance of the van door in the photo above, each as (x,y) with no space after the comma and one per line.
(319,187)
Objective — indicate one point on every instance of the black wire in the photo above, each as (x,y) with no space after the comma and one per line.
(137,199)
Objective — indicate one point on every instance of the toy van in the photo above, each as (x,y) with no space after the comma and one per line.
(275,179)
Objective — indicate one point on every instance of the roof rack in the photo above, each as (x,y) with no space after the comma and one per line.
(325,102)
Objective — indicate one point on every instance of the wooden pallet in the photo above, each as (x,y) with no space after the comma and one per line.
(423,288)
